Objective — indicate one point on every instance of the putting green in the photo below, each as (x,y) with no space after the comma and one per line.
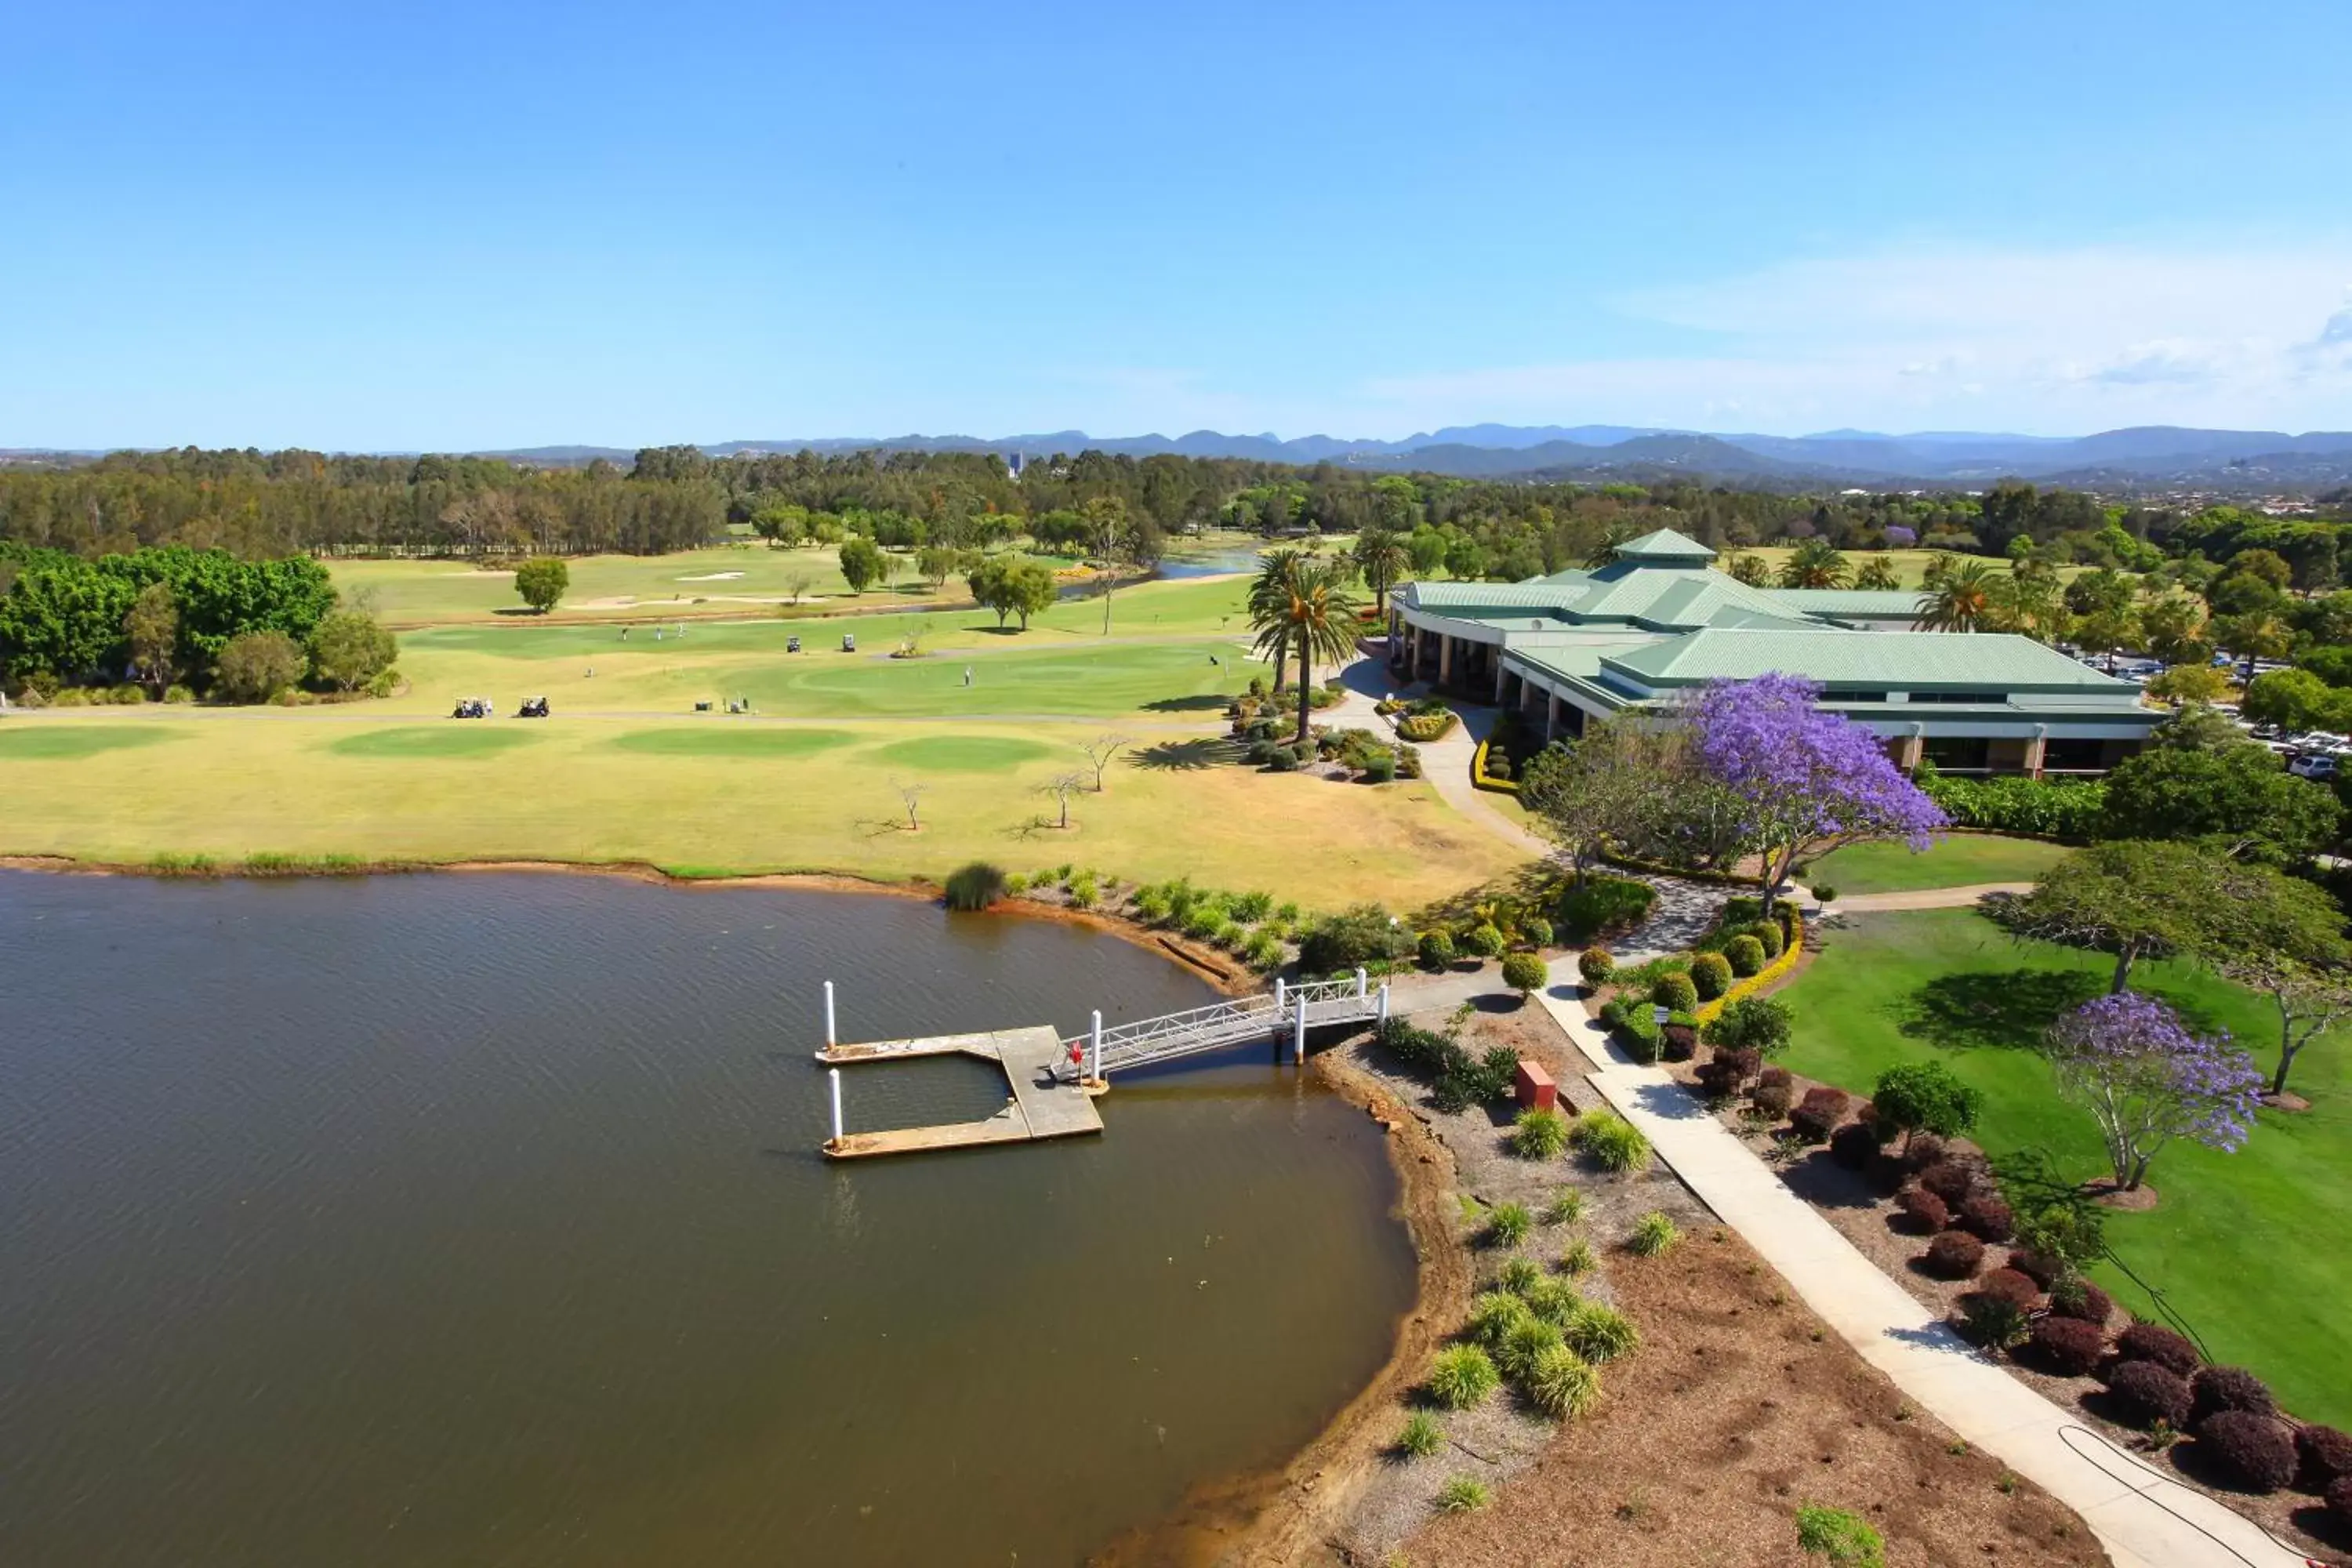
(420,740)
(59,743)
(733,741)
(962,753)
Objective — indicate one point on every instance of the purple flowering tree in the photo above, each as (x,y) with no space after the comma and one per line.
(1898,537)
(1807,780)
(2147,1079)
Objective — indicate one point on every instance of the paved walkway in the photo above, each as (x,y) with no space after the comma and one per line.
(1920,899)
(2144,1520)
(1444,763)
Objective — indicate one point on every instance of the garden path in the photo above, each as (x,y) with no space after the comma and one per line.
(2144,1520)
(1444,763)
(1919,899)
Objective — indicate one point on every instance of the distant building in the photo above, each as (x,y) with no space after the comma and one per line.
(1012,464)
(1659,620)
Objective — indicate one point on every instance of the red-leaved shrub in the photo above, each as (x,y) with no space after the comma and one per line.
(2041,1269)
(1923,1150)
(1818,1114)
(2327,1457)
(1853,1145)
(2339,1501)
(1924,1209)
(2154,1341)
(2010,1286)
(2220,1388)
(1988,1218)
(1950,1180)
(2252,1450)
(1955,1255)
(1772,1099)
(2068,1346)
(2147,1392)
(2078,1298)
(1777,1077)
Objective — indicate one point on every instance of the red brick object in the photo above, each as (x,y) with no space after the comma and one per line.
(1536,1091)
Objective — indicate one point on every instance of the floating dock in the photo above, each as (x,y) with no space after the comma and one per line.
(1041,1105)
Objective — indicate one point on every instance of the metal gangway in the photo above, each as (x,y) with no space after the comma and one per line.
(1289,1010)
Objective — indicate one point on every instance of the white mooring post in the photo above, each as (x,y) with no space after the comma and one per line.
(1363,983)
(1281,1002)
(830,1038)
(836,1075)
(1095,1071)
(1298,1037)
(1384,1003)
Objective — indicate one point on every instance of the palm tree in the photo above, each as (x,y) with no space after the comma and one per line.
(1318,615)
(1276,569)
(2258,635)
(2031,605)
(1384,562)
(2171,623)
(1815,564)
(1958,599)
(1940,566)
(1877,572)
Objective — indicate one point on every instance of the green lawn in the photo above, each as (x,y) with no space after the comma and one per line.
(1960,860)
(474,738)
(29,742)
(2247,1247)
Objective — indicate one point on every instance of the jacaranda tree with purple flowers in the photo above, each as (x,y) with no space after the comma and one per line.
(1807,780)
(2147,1079)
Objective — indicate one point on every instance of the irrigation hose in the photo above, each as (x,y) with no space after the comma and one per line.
(2070,1431)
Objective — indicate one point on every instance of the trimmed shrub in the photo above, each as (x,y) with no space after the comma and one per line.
(1653,1233)
(2219,1388)
(1603,904)
(2039,1268)
(1745,956)
(1539,1135)
(1925,1211)
(182,694)
(1673,991)
(1923,1152)
(1711,976)
(2153,1342)
(1818,1114)
(2253,1451)
(1853,1145)
(1954,1255)
(1776,1075)
(1950,1180)
(2011,1286)
(2068,1346)
(1824,893)
(2339,1501)
(1597,966)
(1485,941)
(1758,1024)
(1609,1142)
(1987,1217)
(1562,1384)
(1770,1099)
(975,886)
(1461,1376)
(1678,1042)
(1600,1334)
(1525,972)
(2327,1456)
(1535,930)
(1770,937)
(2080,1299)
(1436,948)
(1361,934)
(2147,1393)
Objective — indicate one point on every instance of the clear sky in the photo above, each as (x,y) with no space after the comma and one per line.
(368,226)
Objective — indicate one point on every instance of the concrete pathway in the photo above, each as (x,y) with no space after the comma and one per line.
(2144,1518)
(1917,898)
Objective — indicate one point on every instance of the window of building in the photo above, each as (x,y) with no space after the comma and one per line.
(1958,753)
(1978,698)
(2073,756)
(1847,694)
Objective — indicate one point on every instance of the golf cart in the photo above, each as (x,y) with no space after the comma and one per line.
(850,642)
(533,708)
(791,644)
(471,708)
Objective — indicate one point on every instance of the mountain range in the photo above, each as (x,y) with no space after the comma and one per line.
(2143,456)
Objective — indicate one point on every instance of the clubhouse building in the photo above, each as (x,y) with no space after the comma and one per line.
(1659,620)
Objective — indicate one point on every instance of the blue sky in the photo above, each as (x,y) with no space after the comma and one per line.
(500,224)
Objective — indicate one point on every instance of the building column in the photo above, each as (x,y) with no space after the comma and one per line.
(1444,657)
(1907,750)
(1551,715)
(2033,752)
(1498,676)
(1420,652)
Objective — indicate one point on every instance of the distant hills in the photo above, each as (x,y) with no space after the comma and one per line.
(2145,457)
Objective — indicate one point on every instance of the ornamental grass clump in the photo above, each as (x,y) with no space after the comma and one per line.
(1609,1142)
(1461,1494)
(1493,1314)
(1578,1259)
(1567,1207)
(1508,1225)
(975,886)
(1653,1234)
(1562,1384)
(1523,1342)
(1846,1538)
(1539,1134)
(1421,1436)
(1519,1276)
(1461,1376)
(1554,1300)
(1600,1334)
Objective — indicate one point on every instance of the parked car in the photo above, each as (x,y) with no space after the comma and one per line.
(2316,766)
(533,708)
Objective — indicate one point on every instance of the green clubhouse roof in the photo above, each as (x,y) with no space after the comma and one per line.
(1665,547)
(1902,661)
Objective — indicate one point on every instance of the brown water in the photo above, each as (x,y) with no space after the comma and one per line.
(478,1221)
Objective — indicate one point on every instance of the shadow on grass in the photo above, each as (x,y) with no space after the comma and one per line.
(1185,756)
(2006,1011)
(1206,702)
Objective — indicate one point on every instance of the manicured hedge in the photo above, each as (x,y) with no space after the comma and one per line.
(2327,1457)
(2252,1450)
(1602,905)
(1925,1211)
(1955,1255)
(2220,1388)
(2146,1393)
(1986,1216)
(2153,1342)
(2068,1346)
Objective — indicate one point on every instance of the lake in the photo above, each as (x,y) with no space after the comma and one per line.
(480,1220)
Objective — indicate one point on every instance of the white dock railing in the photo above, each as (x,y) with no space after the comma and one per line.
(1292,1009)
